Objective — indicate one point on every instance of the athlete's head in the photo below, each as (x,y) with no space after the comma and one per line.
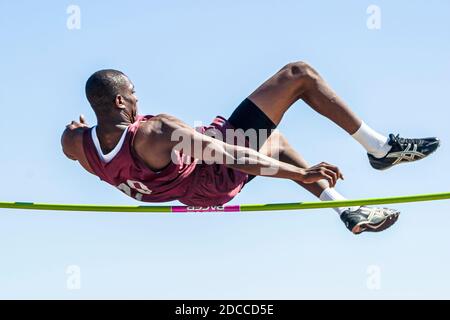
(109,92)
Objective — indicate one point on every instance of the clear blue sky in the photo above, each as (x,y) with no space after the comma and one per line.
(195,61)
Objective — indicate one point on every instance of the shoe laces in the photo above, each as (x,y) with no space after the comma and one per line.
(403,141)
(374,211)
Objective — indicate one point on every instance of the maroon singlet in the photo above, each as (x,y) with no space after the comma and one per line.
(186,180)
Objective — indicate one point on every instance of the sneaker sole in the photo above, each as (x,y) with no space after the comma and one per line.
(383,225)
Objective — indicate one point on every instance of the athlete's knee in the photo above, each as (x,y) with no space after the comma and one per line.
(301,73)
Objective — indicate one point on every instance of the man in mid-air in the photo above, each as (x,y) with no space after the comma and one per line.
(160,158)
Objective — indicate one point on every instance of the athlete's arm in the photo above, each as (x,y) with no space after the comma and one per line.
(158,137)
(72,142)
(71,138)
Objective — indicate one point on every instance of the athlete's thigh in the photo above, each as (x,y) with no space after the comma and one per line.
(275,95)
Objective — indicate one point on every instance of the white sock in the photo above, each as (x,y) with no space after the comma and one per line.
(330,194)
(375,143)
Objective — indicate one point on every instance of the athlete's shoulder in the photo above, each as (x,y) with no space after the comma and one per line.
(163,130)
(152,130)
(152,141)
(155,128)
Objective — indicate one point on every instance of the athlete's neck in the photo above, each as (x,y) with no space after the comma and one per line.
(110,128)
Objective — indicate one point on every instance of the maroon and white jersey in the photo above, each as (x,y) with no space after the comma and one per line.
(186,180)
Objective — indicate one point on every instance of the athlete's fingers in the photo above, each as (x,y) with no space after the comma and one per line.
(335,169)
(326,171)
(328,178)
(333,176)
(330,166)
(82,119)
(75,124)
(330,170)
(71,125)
(318,174)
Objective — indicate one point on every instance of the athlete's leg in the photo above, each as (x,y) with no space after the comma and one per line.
(248,115)
(299,80)
(357,219)
(278,147)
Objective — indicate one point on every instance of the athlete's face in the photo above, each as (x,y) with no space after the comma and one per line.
(130,99)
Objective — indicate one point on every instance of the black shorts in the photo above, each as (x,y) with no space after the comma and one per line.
(248,116)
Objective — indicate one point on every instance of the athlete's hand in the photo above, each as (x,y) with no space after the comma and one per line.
(321,171)
(74,124)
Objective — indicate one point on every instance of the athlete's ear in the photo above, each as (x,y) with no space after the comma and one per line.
(119,101)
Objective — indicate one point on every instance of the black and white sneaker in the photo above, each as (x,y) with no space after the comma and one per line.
(404,150)
(369,219)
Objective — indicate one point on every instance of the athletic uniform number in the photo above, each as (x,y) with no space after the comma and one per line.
(136,187)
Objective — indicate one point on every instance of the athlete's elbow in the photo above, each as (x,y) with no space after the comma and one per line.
(69,156)
(67,143)
(64,140)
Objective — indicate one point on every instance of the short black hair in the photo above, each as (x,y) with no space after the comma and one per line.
(102,88)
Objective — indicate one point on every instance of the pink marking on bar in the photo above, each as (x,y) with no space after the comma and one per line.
(179,209)
(233,208)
